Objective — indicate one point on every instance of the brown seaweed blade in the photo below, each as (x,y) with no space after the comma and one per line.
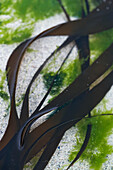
(12,71)
(84,54)
(76,110)
(86,77)
(83,48)
(91,74)
(21,52)
(95,68)
(23,116)
(98,20)
(64,10)
(12,155)
(17,55)
(88,100)
(44,98)
(12,68)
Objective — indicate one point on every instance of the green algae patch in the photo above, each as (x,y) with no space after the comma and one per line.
(36,9)
(100,42)
(48,78)
(73,7)
(72,70)
(10,35)
(28,12)
(98,148)
(65,77)
(32,11)
(30,50)
(3,93)
(45,8)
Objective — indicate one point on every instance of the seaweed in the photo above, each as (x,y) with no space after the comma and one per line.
(3,94)
(98,148)
(27,13)
(71,106)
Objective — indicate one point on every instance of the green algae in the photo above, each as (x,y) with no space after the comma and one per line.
(20,100)
(48,78)
(65,77)
(98,148)
(42,9)
(36,9)
(30,50)
(10,35)
(72,70)
(3,93)
(100,42)
(73,7)
(29,12)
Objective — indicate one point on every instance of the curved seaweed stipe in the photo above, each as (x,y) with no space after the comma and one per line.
(19,145)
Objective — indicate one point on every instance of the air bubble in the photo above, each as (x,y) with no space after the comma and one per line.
(107,7)
(110,2)
(97,9)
